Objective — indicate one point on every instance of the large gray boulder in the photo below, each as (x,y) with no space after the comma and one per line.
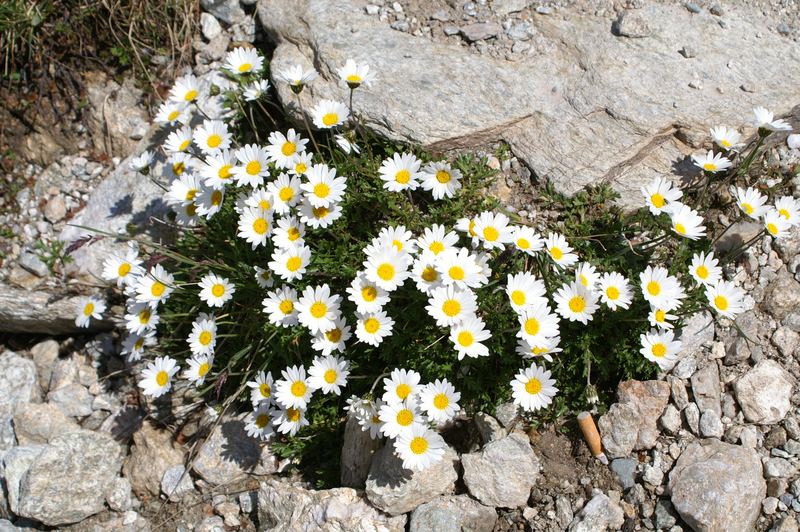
(18,384)
(396,490)
(30,311)
(589,105)
(453,513)
(284,507)
(765,393)
(503,472)
(718,486)
(358,448)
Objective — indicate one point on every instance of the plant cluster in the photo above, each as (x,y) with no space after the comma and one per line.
(364,266)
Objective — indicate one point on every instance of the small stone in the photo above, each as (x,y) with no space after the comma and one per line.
(711,425)
(32,263)
(441,15)
(211,524)
(632,24)
(119,495)
(521,31)
(769,505)
(764,393)
(688,52)
(400,25)
(600,513)
(229,511)
(792,428)
(372,9)
(792,447)
(664,515)
(451,30)
(55,209)
(679,395)
(693,8)
(625,471)
(563,511)
(176,483)
(692,416)
(784,29)
(775,438)
(786,340)
(489,428)
(543,10)
(44,355)
(749,437)
(152,454)
(506,414)
(480,31)
(706,388)
(209,26)
(453,512)
(40,423)
(73,400)
(717,10)
(653,475)
(358,448)
(779,468)
(247,500)
(631,423)
(671,420)
(520,47)
(503,472)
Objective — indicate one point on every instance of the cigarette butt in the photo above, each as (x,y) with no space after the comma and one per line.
(592,436)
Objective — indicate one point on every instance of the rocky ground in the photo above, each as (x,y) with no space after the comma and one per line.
(712,445)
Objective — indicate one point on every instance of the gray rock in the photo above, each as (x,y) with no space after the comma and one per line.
(44,355)
(633,24)
(785,524)
(786,340)
(776,437)
(679,395)
(176,483)
(119,495)
(152,454)
(521,31)
(16,463)
(32,263)
(711,425)
(503,472)
(692,416)
(764,393)
(506,414)
(693,8)
(749,437)
(782,296)
(685,367)
(73,400)
(213,523)
(688,52)
(671,420)
(27,311)
(706,388)
(506,7)
(576,88)
(600,513)
(229,511)
(665,515)
(625,471)
(717,486)
(452,513)
(480,31)
(118,132)
(489,428)
(630,424)
(55,210)
(697,332)
(563,511)
(395,490)
(18,384)
(287,508)
(209,26)
(779,468)
(451,30)
(40,423)
(227,11)
(357,451)
(441,15)
(67,482)
(230,454)
(653,474)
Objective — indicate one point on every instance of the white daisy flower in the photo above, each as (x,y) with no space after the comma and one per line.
(171,113)
(575,302)
(442,180)
(559,250)
(328,113)
(185,90)
(134,344)
(493,230)
(141,163)
(186,215)
(333,339)
(766,120)
(323,187)
(660,347)
(439,400)
(259,423)
(424,273)
(289,421)
(217,169)
(524,290)
(435,240)
(751,202)
(533,388)
(366,295)
(705,269)
(388,268)
(544,348)
(199,366)
(373,327)
(526,239)
(538,323)
(710,162)
(178,164)
(140,318)
(725,138)
(255,90)
(255,226)
(660,193)
(293,390)
(467,337)
(178,140)
(285,192)
(209,202)
(261,389)
(290,263)
(369,420)
(586,274)
(661,318)
(329,374)
(88,308)
(400,172)
(288,233)
(399,417)
(686,221)
(281,306)
(157,377)
(302,162)
(660,288)
(789,209)
(419,448)
(318,309)
(243,60)
(124,269)
(297,77)
(212,136)
(726,299)
(467,226)
(775,224)
(398,237)
(252,167)
(450,305)
(263,277)
(400,385)
(615,291)
(282,149)
(459,267)
(203,338)
(346,144)
(353,75)
(215,291)
(319,217)
(155,286)
(184,190)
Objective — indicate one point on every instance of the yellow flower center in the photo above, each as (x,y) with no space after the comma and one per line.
(653,288)
(441,401)
(264,389)
(245,67)
(369,293)
(214,140)
(88,309)
(456,273)
(772,228)
(584,280)
(161,378)
(522,243)
(253,168)
(471,228)
(334,335)
(443,176)
(144,316)
(157,289)
(203,369)
(397,245)
(746,207)
(286,306)
(533,386)
(532,326)
(184,145)
(294,264)
(784,213)
(725,143)
(419,445)
(330,376)
(218,290)
(224,171)
(577,304)
(264,204)
(293,233)
(320,212)
(451,307)
(191,194)
(124,269)
(371,325)
(173,115)
(330,119)
(139,344)
(556,253)
(190,95)
(402,176)
(354,78)
(405,417)
(191,209)
(322,190)
(658,350)
(260,226)
(658,200)
(178,168)
(216,198)
(436,247)
(288,148)
(518,297)
(711,167)
(205,338)
(386,271)
(680,228)
(319,309)
(300,168)
(612,292)
(490,234)
(702,271)
(262,420)
(660,316)
(465,339)
(298,388)
(429,274)
(403,390)
(721,302)
(286,193)
(293,415)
